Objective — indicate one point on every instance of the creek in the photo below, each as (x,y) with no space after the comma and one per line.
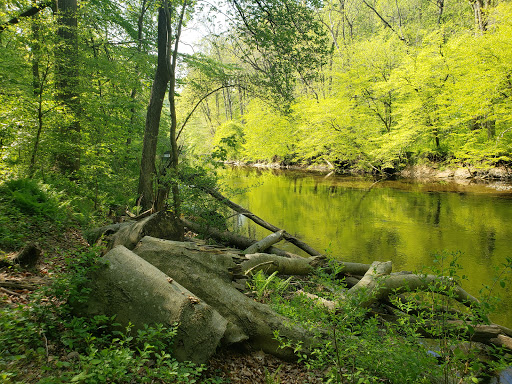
(361,219)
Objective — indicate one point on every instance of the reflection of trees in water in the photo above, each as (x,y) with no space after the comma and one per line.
(488,238)
(437,211)
(364,220)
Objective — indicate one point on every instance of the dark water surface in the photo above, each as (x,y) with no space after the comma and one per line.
(406,221)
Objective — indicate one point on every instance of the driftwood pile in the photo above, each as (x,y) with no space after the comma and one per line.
(149,275)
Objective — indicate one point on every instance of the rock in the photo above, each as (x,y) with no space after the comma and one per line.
(447,173)
(462,173)
(499,173)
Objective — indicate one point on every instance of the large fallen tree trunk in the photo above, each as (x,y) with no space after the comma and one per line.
(138,293)
(206,274)
(161,224)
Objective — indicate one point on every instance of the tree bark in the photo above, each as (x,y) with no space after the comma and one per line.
(265,243)
(206,274)
(162,224)
(162,75)
(234,239)
(136,292)
(378,283)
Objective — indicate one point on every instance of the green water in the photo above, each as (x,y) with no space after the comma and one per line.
(361,220)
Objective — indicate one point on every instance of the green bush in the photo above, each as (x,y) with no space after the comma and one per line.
(32,198)
(27,204)
(360,347)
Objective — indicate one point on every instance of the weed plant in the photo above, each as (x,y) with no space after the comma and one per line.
(29,208)
(358,346)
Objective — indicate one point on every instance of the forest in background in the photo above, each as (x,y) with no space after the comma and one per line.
(403,82)
(367,85)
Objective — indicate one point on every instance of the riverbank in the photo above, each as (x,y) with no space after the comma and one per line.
(428,172)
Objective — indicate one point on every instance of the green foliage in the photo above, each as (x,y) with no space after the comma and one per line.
(31,198)
(25,203)
(359,347)
(281,41)
(228,141)
(264,286)
(269,135)
(396,89)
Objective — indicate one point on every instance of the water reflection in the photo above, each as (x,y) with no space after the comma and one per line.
(361,220)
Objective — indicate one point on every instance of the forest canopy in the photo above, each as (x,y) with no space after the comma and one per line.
(363,85)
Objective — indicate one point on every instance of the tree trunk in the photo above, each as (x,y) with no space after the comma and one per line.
(162,76)
(231,238)
(265,243)
(206,274)
(292,239)
(67,82)
(162,224)
(138,293)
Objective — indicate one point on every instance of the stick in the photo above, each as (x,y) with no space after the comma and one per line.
(239,241)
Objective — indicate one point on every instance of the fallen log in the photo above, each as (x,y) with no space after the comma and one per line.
(265,243)
(161,224)
(94,235)
(136,292)
(258,220)
(231,238)
(273,263)
(20,284)
(503,341)
(200,272)
(379,283)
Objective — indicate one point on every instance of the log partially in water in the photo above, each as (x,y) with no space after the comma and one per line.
(231,238)
(258,220)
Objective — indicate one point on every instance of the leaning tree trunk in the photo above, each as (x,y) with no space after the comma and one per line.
(162,75)
(258,220)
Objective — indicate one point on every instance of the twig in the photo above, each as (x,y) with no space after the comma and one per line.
(46,346)
(10,292)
